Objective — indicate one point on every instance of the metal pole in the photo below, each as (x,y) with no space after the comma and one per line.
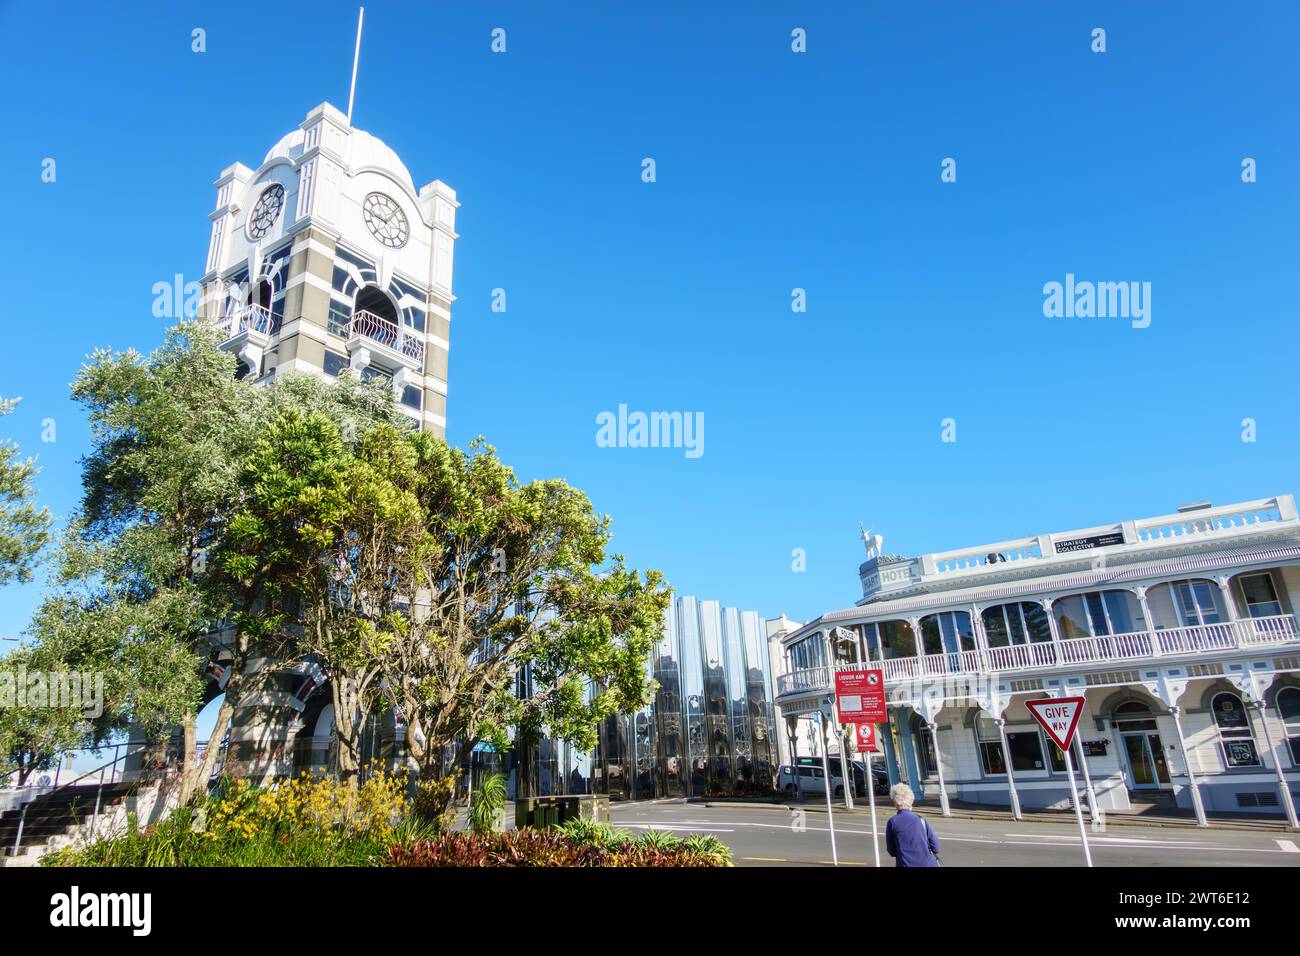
(1093,815)
(1078,811)
(1277,766)
(826,779)
(871,796)
(1006,760)
(846,764)
(1197,805)
(356,58)
(18,839)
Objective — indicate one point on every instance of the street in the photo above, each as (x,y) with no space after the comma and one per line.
(771,836)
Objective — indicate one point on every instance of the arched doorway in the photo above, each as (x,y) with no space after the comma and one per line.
(1142,749)
(377,302)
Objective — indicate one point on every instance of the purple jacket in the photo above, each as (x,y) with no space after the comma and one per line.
(910,840)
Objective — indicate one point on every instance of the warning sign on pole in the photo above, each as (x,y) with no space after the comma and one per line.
(1059,717)
(866,738)
(860,697)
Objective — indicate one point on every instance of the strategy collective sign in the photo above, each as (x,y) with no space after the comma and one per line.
(860,697)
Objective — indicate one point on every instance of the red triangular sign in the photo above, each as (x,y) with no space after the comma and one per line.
(1059,716)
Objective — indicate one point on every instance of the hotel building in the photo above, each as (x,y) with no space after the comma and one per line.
(1178,630)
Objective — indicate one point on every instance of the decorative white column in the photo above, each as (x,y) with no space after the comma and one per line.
(1197,804)
(1006,759)
(1141,592)
(1287,802)
(1229,602)
(1051,624)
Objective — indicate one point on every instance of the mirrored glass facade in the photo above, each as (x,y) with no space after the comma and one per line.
(709,728)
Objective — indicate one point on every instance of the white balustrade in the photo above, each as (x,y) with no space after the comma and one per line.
(1103,650)
(402,340)
(250,318)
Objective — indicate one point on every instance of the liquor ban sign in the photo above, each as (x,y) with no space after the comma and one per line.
(866,738)
(860,697)
(1059,717)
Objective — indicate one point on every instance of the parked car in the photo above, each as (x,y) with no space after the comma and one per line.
(880,776)
(808,779)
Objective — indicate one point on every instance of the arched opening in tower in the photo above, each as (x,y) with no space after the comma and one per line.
(374,300)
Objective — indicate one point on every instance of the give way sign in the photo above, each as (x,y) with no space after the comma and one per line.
(1059,716)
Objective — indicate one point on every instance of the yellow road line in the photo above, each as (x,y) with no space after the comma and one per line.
(766,859)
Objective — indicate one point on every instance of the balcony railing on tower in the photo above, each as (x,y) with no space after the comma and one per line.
(251,318)
(404,342)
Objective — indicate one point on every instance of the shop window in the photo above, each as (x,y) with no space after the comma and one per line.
(1235,736)
(1026,750)
(1288,707)
(992,758)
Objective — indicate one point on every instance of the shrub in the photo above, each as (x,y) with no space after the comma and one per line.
(433,801)
(559,847)
(487,803)
(303,822)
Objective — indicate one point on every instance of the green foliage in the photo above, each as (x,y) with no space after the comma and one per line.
(303,822)
(32,737)
(433,801)
(488,802)
(24,528)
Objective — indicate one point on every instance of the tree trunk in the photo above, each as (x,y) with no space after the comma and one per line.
(194,781)
(345,733)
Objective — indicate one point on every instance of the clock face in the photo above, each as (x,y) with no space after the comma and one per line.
(266,211)
(385,220)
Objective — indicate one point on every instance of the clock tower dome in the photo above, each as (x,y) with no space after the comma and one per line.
(326,259)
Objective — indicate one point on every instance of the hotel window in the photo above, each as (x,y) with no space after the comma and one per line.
(1261,596)
(412,397)
(1026,750)
(947,631)
(990,743)
(1097,614)
(1288,707)
(896,639)
(1017,624)
(1235,736)
(1197,602)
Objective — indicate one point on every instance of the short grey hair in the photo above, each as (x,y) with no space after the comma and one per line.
(902,796)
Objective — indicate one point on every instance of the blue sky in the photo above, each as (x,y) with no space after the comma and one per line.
(775,170)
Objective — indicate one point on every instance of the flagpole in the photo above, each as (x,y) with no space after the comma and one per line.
(356,58)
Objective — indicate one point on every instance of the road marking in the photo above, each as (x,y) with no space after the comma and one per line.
(674,826)
(766,859)
(842,863)
(1288,846)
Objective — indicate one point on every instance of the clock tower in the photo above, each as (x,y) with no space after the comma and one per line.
(326,259)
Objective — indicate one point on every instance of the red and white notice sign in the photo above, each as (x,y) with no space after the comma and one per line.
(1059,716)
(860,697)
(866,738)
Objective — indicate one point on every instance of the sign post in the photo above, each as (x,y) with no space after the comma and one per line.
(1060,718)
(860,697)
(866,734)
(826,778)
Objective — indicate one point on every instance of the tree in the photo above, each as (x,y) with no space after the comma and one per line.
(24,528)
(33,732)
(332,532)
(136,591)
(513,577)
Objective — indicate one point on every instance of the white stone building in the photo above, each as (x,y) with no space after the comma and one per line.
(326,257)
(1178,630)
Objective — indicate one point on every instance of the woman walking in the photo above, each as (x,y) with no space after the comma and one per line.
(910,840)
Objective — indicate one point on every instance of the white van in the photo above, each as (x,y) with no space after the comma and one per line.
(808,779)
